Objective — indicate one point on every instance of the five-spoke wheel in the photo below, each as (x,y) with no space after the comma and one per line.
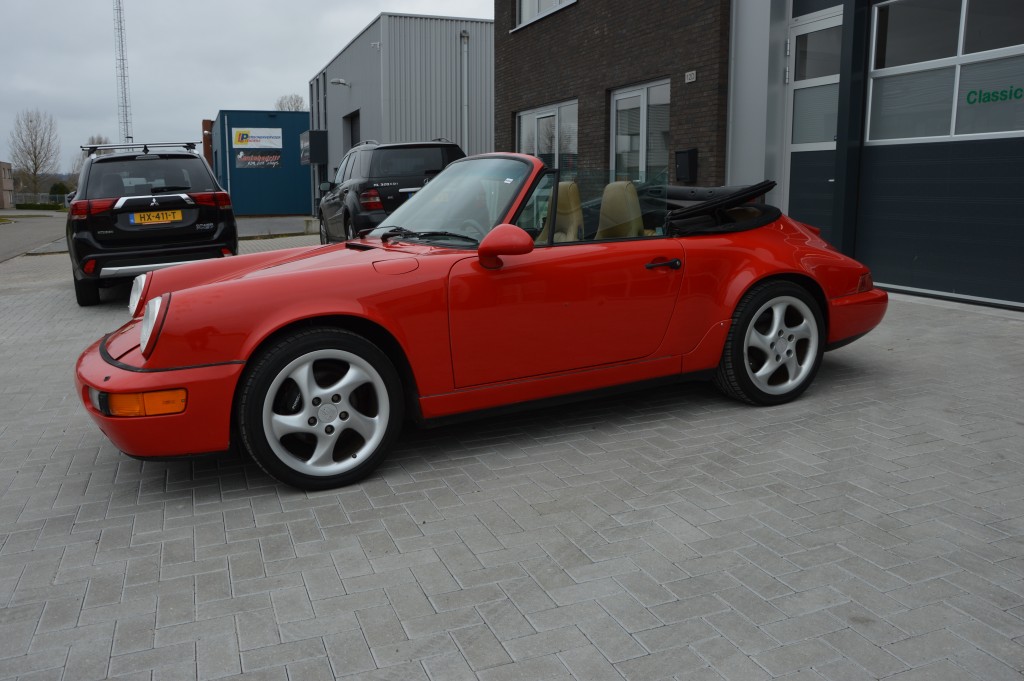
(320,408)
(774,347)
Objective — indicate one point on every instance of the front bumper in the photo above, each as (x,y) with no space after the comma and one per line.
(204,425)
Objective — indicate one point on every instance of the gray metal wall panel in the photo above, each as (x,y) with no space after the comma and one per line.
(406,80)
(360,65)
(423,80)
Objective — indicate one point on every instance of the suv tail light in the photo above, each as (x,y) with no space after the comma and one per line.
(370,200)
(80,210)
(214,199)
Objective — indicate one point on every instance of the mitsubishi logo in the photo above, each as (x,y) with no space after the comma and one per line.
(153,203)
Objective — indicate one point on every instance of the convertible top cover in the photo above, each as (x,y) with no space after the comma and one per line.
(720,214)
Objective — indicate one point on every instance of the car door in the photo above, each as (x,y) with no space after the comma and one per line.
(562,307)
(331,204)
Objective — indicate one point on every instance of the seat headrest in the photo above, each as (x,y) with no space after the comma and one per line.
(620,212)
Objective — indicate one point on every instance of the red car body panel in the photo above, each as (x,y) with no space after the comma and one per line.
(558,320)
(202,427)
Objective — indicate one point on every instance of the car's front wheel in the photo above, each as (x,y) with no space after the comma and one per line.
(774,347)
(320,408)
(87,292)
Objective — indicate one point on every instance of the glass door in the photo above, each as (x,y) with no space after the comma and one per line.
(640,132)
(812,109)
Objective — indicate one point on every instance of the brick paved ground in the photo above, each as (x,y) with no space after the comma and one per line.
(873,529)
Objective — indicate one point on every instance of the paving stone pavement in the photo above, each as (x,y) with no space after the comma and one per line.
(872,529)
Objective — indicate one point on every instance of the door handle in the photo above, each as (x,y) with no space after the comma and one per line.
(674,264)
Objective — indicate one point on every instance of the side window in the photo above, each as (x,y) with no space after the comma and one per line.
(534,213)
(339,178)
(362,168)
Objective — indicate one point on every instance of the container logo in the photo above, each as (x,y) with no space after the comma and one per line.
(256,138)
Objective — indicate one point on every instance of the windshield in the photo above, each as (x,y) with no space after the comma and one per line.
(146,175)
(468,198)
(406,161)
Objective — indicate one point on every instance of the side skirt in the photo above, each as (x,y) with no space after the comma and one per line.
(560,399)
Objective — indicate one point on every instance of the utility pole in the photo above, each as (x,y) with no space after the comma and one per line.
(124,104)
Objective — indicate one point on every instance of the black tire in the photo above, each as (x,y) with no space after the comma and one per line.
(775,345)
(335,429)
(87,292)
(347,228)
(323,231)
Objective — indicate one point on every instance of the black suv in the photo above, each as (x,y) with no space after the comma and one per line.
(141,207)
(374,179)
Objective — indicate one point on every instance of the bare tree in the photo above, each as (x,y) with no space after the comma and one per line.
(77,159)
(290,103)
(79,156)
(99,139)
(35,146)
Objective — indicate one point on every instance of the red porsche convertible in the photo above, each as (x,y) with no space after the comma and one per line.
(498,284)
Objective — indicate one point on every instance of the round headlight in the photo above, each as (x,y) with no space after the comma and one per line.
(138,286)
(149,321)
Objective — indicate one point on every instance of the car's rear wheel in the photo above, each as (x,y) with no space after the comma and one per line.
(87,292)
(323,231)
(774,347)
(320,408)
(347,226)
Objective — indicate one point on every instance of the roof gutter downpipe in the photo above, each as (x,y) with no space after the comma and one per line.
(465,90)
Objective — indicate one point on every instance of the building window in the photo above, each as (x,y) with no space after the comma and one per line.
(530,10)
(551,134)
(640,132)
(946,69)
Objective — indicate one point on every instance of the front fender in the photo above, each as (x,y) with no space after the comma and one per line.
(229,321)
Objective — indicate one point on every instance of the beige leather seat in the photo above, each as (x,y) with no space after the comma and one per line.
(620,212)
(569,220)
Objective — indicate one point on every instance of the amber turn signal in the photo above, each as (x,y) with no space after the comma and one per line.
(147,404)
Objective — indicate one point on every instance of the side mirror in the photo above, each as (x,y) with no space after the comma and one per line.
(326,186)
(504,239)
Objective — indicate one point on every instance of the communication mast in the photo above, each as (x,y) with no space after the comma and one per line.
(124,104)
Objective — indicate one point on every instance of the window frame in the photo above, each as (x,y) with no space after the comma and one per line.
(520,23)
(959,60)
(551,110)
(641,89)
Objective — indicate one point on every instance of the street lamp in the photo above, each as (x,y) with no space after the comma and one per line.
(340,81)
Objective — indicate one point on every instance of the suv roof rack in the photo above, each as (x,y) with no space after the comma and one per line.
(145,146)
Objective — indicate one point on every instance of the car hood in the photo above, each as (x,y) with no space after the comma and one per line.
(390,258)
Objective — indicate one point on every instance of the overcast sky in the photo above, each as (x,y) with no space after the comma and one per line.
(187,59)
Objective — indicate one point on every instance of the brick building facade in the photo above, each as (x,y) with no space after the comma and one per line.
(587,52)
(894,126)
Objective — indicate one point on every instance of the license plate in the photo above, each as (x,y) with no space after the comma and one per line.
(155,217)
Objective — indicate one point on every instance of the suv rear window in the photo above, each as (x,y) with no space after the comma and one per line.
(402,161)
(145,175)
